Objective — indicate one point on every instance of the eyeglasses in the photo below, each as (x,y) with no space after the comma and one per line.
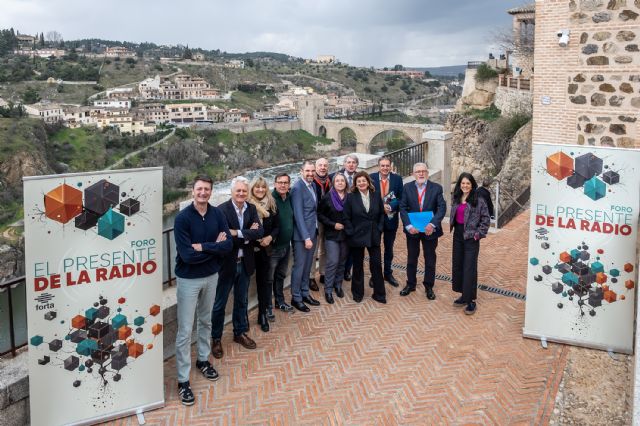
(420,171)
(282,182)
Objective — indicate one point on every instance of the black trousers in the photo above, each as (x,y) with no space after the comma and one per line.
(464,265)
(389,237)
(429,252)
(375,267)
(263,263)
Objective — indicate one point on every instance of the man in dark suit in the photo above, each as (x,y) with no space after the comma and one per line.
(389,186)
(422,196)
(305,233)
(245,228)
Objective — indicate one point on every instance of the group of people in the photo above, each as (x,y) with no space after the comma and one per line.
(327,221)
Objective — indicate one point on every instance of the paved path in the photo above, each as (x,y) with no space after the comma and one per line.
(138,151)
(412,361)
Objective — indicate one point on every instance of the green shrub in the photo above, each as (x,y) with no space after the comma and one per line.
(485,72)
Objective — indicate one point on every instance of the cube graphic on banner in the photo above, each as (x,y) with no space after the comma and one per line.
(588,165)
(63,203)
(71,363)
(119,321)
(595,189)
(110,225)
(575,181)
(611,177)
(560,165)
(86,347)
(101,196)
(130,206)
(87,220)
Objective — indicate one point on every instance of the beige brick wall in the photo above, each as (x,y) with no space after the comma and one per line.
(588,92)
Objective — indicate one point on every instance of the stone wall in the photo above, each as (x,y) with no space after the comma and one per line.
(588,92)
(513,101)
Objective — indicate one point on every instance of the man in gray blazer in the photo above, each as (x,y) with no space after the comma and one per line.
(305,231)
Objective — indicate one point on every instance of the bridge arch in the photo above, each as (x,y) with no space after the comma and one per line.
(389,140)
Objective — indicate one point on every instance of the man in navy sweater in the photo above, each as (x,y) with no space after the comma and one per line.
(202,241)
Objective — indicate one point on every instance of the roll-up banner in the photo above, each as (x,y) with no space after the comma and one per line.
(93,260)
(582,270)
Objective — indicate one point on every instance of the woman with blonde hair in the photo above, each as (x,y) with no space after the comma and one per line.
(261,197)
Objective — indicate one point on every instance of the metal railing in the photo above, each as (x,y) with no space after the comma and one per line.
(404,159)
(515,207)
(15,291)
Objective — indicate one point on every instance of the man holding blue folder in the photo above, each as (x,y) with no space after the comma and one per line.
(422,209)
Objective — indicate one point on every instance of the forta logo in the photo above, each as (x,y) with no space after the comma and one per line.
(44,301)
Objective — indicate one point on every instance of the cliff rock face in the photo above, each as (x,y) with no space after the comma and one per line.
(515,175)
(487,151)
(481,96)
(468,151)
(11,261)
(24,164)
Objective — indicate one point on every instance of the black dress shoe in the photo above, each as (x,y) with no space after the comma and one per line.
(339,292)
(310,301)
(313,285)
(430,294)
(391,280)
(300,306)
(357,299)
(329,298)
(406,290)
(264,322)
(347,276)
(379,299)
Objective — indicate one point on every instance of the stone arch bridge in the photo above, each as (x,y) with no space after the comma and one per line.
(365,131)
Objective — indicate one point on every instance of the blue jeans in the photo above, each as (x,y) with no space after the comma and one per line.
(278,265)
(239,281)
(195,296)
(334,268)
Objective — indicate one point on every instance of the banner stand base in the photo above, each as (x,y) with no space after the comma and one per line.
(543,342)
(533,335)
(612,355)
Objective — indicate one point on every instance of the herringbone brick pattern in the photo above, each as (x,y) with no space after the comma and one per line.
(412,361)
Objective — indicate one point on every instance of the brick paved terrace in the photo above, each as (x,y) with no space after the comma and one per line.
(412,361)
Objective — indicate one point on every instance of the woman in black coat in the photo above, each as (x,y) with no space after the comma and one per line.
(469,220)
(363,224)
(331,215)
(260,196)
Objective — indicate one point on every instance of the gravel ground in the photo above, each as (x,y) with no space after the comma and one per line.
(595,389)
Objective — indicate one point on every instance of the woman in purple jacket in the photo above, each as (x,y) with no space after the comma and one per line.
(469,221)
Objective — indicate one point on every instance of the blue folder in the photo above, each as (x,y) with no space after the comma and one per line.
(420,220)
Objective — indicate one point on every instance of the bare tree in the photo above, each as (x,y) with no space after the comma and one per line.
(508,41)
(53,37)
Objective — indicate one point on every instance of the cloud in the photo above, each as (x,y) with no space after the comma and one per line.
(359,32)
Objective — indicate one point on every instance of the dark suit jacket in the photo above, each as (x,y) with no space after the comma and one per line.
(363,228)
(249,217)
(433,201)
(329,216)
(304,211)
(395,186)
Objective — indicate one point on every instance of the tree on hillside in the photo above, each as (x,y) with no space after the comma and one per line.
(427,74)
(54,37)
(30,96)
(41,41)
(187,54)
(398,67)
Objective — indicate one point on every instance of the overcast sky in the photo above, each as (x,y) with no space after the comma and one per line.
(376,33)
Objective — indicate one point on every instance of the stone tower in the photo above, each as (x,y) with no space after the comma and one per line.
(310,110)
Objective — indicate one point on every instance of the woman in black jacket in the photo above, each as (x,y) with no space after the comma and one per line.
(331,215)
(363,224)
(469,220)
(261,197)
